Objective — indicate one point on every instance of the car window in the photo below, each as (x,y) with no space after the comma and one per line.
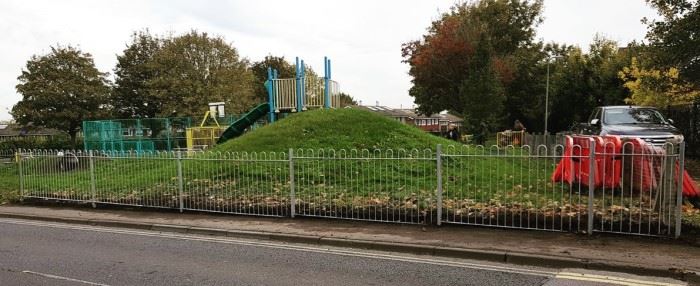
(633,116)
(594,115)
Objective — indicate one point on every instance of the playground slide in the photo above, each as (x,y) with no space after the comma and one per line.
(238,126)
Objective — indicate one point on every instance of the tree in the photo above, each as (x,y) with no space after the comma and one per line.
(481,90)
(580,81)
(525,93)
(61,89)
(676,38)
(346,100)
(570,95)
(178,76)
(654,87)
(259,69)
(605,59)
(132,96)
(194,69)
(445,60)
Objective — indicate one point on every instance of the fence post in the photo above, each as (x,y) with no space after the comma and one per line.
(292,194)
(93,192)
(679,192)
(18,155)
(438,159)
(179,181)
(591,185)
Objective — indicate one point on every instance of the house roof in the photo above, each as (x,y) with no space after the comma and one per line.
(385,110)
(442,116)
(408,113)
(11,129)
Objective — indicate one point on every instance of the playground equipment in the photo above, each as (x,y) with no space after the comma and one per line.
(509,137)
(139,135)
(202,137)
(285,95)
(288,95)
(239,126)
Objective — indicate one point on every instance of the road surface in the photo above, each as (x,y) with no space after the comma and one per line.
(40,253)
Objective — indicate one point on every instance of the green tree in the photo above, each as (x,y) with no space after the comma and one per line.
(346,100)
(676,37)
(194,69)
(570,96)
(524,95)
(61,89)
(135,68)
(581,81)
(654,87)
(481,91)
(605,59)
(284,69)
(445,58)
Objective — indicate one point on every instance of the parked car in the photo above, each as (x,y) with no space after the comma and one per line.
(642,122)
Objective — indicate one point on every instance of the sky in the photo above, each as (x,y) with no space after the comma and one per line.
(362,37)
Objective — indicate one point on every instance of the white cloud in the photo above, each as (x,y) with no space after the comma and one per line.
(363,38)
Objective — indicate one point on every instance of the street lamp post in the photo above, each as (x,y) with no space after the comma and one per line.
(546,97)
(546,103)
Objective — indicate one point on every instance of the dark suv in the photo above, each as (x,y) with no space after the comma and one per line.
(631,121)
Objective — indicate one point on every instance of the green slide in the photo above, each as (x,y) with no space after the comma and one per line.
(238,126)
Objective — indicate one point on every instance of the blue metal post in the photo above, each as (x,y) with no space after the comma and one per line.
(298,89)
(326,79)
(269,85)
(275,75)
(329,78)
(302,97)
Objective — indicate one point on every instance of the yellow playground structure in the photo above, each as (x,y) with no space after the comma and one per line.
(202,137)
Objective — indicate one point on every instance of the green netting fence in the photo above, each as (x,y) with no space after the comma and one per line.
(139,135)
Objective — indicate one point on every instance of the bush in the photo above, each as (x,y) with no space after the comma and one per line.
(55,142)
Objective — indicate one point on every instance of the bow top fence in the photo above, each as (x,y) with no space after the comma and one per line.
(495,186)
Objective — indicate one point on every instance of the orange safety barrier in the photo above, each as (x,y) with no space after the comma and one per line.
(611,160)
(574,166)
(643,174)
(563,171)
(690,189)
(644,167)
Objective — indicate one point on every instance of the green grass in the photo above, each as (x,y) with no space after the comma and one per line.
(334,129)
(252,172)
(9,182)
(366,174)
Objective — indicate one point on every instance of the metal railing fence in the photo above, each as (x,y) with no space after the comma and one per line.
(635,190)
(7,155)
(388,185)
(511,187)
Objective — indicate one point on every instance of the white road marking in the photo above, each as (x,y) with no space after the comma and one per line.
(62,278)
(550,274)
(610,279)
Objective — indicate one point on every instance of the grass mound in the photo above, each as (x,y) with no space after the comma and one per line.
(345,128)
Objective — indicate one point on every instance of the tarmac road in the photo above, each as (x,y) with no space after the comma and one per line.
(40,253)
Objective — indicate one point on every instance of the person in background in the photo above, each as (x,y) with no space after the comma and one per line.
(519,129)
(482,132)
(453,133)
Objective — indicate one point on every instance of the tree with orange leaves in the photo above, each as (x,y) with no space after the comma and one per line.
(467,56)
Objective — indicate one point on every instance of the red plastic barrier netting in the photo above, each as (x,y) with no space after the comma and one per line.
(608,167)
